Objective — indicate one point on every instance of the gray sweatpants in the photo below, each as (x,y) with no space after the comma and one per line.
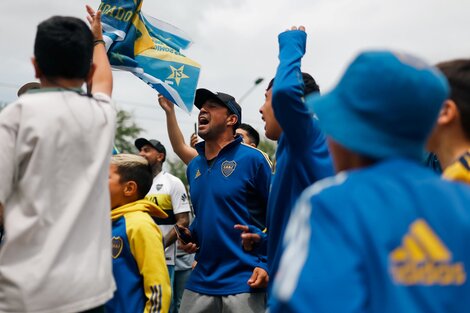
(193,302)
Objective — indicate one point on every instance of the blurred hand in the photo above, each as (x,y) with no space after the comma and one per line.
(248,239)
(166,104)
(302,28)
(259,278)
(188,248)
(94,18)
(194,139)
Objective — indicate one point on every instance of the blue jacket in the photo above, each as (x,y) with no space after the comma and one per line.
(232,190)
(392,237)
(302,156)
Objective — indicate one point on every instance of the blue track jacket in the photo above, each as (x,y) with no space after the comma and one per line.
(232,190)
(392,237)
(302,156)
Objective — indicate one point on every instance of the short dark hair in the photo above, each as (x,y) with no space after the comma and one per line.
(457,73)
(252,133)
(64,47)
(310,85)
(134,168)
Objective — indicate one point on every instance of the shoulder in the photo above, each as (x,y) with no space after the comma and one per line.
(196,161)
(172,178)
(176,185)
(254,153)
(140,222)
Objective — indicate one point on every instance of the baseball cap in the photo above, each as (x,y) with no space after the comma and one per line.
(140,142)
(385,105)
(202,95)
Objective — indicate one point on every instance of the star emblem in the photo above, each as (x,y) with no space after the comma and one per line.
(177,74)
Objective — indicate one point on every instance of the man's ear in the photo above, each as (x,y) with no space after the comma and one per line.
(449,112)
(130,188)
(232,119)
(160,156)
(37,70)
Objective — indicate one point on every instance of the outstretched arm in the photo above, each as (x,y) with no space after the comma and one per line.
(102,78)
(288,91)
(182,150)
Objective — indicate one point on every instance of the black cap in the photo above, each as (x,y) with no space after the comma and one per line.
(140,142)
(202,95)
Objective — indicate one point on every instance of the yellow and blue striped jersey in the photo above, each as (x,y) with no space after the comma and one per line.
(169,194)
(459,170)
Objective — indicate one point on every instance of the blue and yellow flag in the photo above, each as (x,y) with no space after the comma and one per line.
(150,49)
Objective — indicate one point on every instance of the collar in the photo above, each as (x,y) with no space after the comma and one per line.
(55,89)
(201,146)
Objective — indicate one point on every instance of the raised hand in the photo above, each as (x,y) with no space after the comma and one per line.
(94,18)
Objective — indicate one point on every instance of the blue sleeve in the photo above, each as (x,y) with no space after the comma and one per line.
(192,229)
(262,185)
(321,269)
(288,90)
(263,181)
(261,248)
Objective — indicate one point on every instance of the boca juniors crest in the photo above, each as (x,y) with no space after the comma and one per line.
(117,246)
(228,167)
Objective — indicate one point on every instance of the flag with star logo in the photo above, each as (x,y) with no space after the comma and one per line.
(150,49)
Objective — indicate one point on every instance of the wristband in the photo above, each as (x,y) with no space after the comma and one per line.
(98,41)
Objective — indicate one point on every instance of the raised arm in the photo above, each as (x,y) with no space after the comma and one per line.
(102,78)
(182,150)
(288,90)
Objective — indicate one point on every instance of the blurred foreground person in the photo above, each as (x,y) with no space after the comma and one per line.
(386,234)
(55,145)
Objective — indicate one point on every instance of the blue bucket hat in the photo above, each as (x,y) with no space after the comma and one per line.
(385,105)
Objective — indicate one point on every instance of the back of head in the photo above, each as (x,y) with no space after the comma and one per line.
(64,48)
(457,73)
(310,85)
(385,105)
(135,168)
(252,133)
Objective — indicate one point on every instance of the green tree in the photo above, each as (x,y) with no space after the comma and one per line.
(178,168)
(268,147)
(126,132)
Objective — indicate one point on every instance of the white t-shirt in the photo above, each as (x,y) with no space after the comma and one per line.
(169,193)
(55,148)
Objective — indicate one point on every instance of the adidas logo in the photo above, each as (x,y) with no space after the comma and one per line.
(423,259)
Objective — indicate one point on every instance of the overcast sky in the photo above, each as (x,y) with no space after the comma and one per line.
(235,41)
